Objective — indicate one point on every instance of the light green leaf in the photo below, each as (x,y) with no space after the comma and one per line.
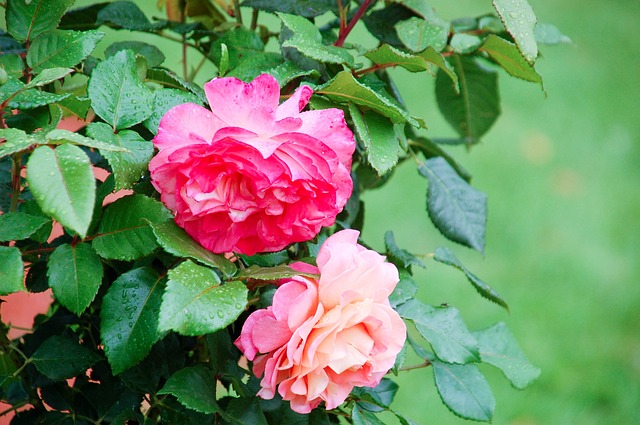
(61,358)
(154,56)
(60,136)
(28,19)
(435,57)
(18,96)
(444,329)
(195,388)
(75,274)
(499,348)
(360,416)
(443,255)
(75,105)
(509,58)
(117,94)
(399,256)
(270,273)
(129,318)
(474,109)
(457,209)
(308,41)
(388,55)
(169,79)
(165,99)
(195,303)
(465,43)
(377,134)
(124,232)
(288,71)
(11,270)
(345,88)
(127,152)
(550,35)
(47,76)
(464,390)
(15,140)
(60,48)
(176,241)
(15,226)
(520,21)
(62,182)
(418,34)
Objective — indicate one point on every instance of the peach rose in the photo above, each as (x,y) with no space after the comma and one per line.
(321,337)
(251,175)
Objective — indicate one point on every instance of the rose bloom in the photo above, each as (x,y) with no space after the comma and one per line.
(321,337)
(251,175)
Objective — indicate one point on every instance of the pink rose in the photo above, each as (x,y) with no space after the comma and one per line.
(320,338)
(252,175)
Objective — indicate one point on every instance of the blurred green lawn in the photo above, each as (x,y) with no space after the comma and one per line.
(563,178)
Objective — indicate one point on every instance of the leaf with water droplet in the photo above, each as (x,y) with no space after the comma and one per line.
(520,21)
(11,270)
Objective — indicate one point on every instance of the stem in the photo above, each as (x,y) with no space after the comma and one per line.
(343,34)
(343,16)
(15,181)
(197,69)
(14,408)
(426,363)
(254,19)
(184,58)
(237,12)
(374,68)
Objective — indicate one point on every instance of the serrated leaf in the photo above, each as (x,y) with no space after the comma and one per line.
(360,416)
(404,257)
(418,34)
(474,109)
(345,88)
(127,15)
(60,136)
(75,105)
(18,96)
(240,43)
(47,76)
(445,256)
(82,18)
(246,410)
(165,99)
(15,140)
(28,19)
(154,56)
(378,398)
(15,226)
(62,183)
(124,232)
(288,71)
(131,157)
(61,358)
(169,79)
(377,134)
(456,209)
(465,43)
(117,95)
(509,58)
(499,348)
(59,48)
(195,303)
(307,40)
(464,390)
(129,318)
(520,21)
(176,241)
(270,273)
(444,329)
(550,35)
(75,275)
(405,289)
(195,388)
(306,8)
(11,270)
(252,66)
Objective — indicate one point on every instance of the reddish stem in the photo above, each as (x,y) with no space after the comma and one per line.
(343,34)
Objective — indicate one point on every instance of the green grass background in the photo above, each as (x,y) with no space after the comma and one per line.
(562,174)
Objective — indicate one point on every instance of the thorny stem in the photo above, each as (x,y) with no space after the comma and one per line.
(343,34)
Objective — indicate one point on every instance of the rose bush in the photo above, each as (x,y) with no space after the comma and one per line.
(251,175)
(323,336)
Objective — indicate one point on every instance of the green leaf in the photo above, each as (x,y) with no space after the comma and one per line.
(270,273)
(377,134)
(405,289)
(19,96)
(75,274)
(456,209)
(431,149)
(307,40)
(345,88)
(360,416)
(240,43)
(443,255)
(464,390)
(195,303)
(154,56)
(520,21)
(47,76)
(418,34)
(474,109)
(264,62)
(390,56)
(378,398)
(59,48)
(509,58)
(550,35)
(246,410)
(465,43)
(165,99)
(176,241)
(499,348)
(60,136)
(289,71)
(129,318)
(62,182)
(75,105)
(131,157)
(195,388)
(306,8)
(401,256)
(169,79)
(127,15)
(61,358)
(435,57)
(15,226)
(444,329)
(124,232)
(27,19)
(117,94)
(15,140)
(11,270)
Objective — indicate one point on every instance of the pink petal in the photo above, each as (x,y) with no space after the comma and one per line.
(186,124)
(296,103)
(329,126)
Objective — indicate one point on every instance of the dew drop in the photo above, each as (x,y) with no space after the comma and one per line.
(119,336)
(239,306)
(220,314)
(513,14)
